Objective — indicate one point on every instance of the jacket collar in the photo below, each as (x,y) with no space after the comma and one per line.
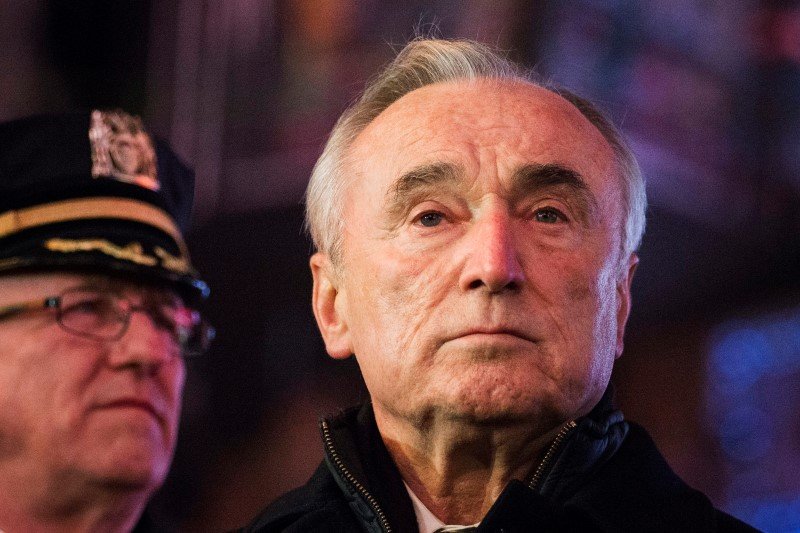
(596,438)
(359,461)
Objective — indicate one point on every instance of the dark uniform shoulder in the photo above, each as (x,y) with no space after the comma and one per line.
(729,524)
(637,490)
(317,506)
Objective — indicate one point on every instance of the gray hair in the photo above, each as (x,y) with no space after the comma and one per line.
(425,62)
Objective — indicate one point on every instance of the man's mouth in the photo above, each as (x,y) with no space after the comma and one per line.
(133,403)
(494,332)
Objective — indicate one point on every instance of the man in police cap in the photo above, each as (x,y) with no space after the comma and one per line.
(97,314)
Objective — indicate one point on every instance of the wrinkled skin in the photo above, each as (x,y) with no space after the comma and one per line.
(466,296)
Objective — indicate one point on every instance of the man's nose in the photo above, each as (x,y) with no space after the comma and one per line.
(492,262)
(144,345)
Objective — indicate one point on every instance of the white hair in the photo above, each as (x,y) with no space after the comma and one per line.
(425,62)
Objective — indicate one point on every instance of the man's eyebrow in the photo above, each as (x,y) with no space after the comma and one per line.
(533,178)
(424,176)
(417,182)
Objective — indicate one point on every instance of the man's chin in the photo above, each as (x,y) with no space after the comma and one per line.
(134,464)
(130,479)
(502,416)
(502,410)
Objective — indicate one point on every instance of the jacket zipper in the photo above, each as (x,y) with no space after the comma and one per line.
(373,503)
(550,455)
(548,458)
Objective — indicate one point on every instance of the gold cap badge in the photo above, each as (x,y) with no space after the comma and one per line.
(122,150)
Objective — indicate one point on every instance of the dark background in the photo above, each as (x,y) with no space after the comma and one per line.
(246,91)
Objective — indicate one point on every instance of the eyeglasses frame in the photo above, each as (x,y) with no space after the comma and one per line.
(54,302)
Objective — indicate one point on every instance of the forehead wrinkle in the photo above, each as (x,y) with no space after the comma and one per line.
(533,178)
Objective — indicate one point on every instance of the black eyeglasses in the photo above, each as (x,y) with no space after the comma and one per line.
(103,315)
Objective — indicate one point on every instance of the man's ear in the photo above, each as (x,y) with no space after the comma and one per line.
(624,299)
(329,306)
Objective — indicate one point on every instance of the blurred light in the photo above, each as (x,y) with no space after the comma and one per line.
(776,515)
(753,365)
(746,350)
(746,433)
(741,357)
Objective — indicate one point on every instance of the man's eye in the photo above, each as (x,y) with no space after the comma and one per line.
(91,313)
(431,219)
(94,306)
(548,215)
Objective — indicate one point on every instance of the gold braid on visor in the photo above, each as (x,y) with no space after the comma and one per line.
(88,208)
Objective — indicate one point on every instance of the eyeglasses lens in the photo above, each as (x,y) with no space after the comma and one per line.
(105,315)
(92,313)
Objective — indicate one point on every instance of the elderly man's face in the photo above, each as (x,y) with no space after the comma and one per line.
(482,275)
(74,408)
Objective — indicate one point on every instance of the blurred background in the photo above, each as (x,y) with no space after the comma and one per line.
(708,92)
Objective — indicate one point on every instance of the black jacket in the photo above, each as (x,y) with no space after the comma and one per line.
(601,474)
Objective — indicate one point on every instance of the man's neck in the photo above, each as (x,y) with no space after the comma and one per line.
(457,469)
(63,507)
